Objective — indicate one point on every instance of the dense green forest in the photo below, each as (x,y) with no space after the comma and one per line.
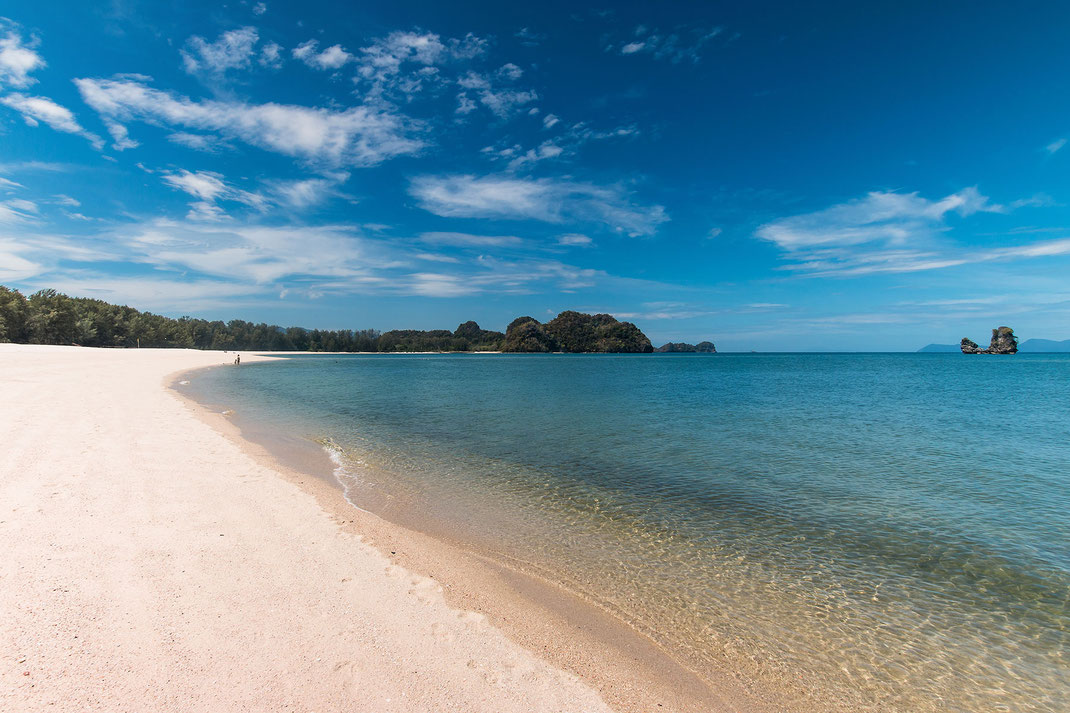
(575,332)
(48,317)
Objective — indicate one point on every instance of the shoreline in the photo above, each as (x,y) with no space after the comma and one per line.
(631,671)
(152,564)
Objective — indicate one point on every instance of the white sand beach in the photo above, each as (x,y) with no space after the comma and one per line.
(151,564)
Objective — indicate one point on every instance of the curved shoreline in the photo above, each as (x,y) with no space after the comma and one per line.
(630,670)
(152,564)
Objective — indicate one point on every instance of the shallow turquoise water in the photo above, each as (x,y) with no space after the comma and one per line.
(878,531)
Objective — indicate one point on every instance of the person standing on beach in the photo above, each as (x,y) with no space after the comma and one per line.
(237,360)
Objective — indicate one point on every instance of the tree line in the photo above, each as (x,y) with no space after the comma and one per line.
(49,317)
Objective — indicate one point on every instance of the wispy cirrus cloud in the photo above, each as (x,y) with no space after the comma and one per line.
(356,136)
(17,210)
(679,45)
(566,143)
(198,142)
(209,189)
(468,240)
(575,240)
(883,217)
(234,258)
(38,110)
(308,192)
(889,232)
(544,199)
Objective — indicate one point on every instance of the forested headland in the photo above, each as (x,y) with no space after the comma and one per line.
(49,317)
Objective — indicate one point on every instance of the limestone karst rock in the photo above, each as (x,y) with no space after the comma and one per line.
(1003,342)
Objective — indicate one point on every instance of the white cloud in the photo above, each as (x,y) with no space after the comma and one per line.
(17,58)
(17,210)
(383,63)
(209,188)
(9,185)
(19,166)
(714,233)
(529,38)
(259,8)
(676,46)
(544,199)
(502,101)
(232,50)
(431,284)
(574,239)
(168,294)
(887,232)
(545,150)
(660,314)
(334,57)
(1054,146)
(510,71)
(406,63)
(199,142)
(121,136)
(469,240)
(549,120)
(271,55)
(206,211)
(225,259)
(15,264)
(465,105)
(357,136)
(890,218)
(41,109)
(383,59)
(308,192)
(202,184)
(252,253)
(564,145)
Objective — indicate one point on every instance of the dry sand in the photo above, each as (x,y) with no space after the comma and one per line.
(151,564)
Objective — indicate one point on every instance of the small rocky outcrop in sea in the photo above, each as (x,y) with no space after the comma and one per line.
(1003,342)
(678,347)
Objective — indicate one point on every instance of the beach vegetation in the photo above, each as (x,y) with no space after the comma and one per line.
(49,317)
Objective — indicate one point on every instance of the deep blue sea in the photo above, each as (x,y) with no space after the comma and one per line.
(884,531)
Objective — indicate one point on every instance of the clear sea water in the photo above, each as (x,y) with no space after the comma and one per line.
(867,531)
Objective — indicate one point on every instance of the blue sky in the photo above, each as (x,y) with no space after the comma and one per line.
(769,176)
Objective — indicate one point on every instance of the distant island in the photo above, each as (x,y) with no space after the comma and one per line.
(1036,346)
(49,317)
(1044,345)
(684,348)
(940,348)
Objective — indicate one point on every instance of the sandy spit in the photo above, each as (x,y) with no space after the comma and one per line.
(150,564)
